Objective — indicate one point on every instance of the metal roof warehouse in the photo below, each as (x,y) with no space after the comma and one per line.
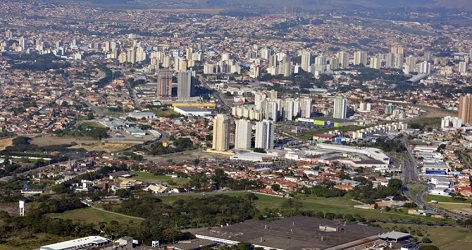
(80,243)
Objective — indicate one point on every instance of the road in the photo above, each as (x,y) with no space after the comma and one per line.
(218,95)
(410,175)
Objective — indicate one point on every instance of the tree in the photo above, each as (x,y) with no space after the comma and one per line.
(90,116)
(292,204)
(275,187)
(21,140)
(426,240)
(259,150)
(395,184)
(251,196)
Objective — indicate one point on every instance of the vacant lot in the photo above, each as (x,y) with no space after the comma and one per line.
(439,198)
(459,208)
(48,140)
(27,240)
(87,144)
(161,179)
(4,143)
(95,215)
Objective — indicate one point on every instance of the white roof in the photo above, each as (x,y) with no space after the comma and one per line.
(77,243)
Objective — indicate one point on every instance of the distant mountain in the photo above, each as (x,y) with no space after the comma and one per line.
(281,5)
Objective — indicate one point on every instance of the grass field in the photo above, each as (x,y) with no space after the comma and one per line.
(95,215)
(438,198)
(447,238)
(149,177)
(415,188)
(454,206)
(426,122)
(47,140)
(166,112)
(27,241)
(308,135)
(340,205)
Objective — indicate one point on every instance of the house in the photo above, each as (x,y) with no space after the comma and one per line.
(156,189)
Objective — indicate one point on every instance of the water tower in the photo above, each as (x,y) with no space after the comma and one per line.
(22,208)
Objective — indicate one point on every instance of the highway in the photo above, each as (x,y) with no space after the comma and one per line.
(218,96)
(410,175)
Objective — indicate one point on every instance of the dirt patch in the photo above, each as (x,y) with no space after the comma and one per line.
(4,143)
(107,147)
(48,140)
(87,144)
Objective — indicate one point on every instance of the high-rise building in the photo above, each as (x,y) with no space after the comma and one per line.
(389,60)
(185,84)
(221,132)
(343,59)
(424,68)
(397,49)
(265,134)
(164,83)
(306,61)
(360,58)
(374,63)
(23,43)
(242,138)
(398,64)
(9,34)
(340,108)
(333,63)
(288,108)
(305,107)
(465,109)
(463,67)
(131,55)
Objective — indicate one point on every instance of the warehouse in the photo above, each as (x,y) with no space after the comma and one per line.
(82,243)
(298,232)
(190,111)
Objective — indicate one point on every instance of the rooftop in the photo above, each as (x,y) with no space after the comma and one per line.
(77,243)
(292,233)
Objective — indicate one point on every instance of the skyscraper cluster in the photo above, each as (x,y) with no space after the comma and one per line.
(264,136)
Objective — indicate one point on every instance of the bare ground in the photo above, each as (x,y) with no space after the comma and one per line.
(4,143)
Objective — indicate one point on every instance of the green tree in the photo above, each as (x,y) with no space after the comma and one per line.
(275,187)
(292,204)
(426,240)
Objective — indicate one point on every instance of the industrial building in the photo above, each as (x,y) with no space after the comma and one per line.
(82,243)
(297,232)
(192,111)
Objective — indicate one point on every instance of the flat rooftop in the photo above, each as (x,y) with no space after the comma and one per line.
(297,232)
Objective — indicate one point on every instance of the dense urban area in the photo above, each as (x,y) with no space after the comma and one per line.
(203,125)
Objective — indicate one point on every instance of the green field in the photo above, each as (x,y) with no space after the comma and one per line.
(453,206)
(448,238)
(341,205)
(91,125)
(161,179)
(415,188)
(438,198)
(166,112)
(95,215)
(27,241)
